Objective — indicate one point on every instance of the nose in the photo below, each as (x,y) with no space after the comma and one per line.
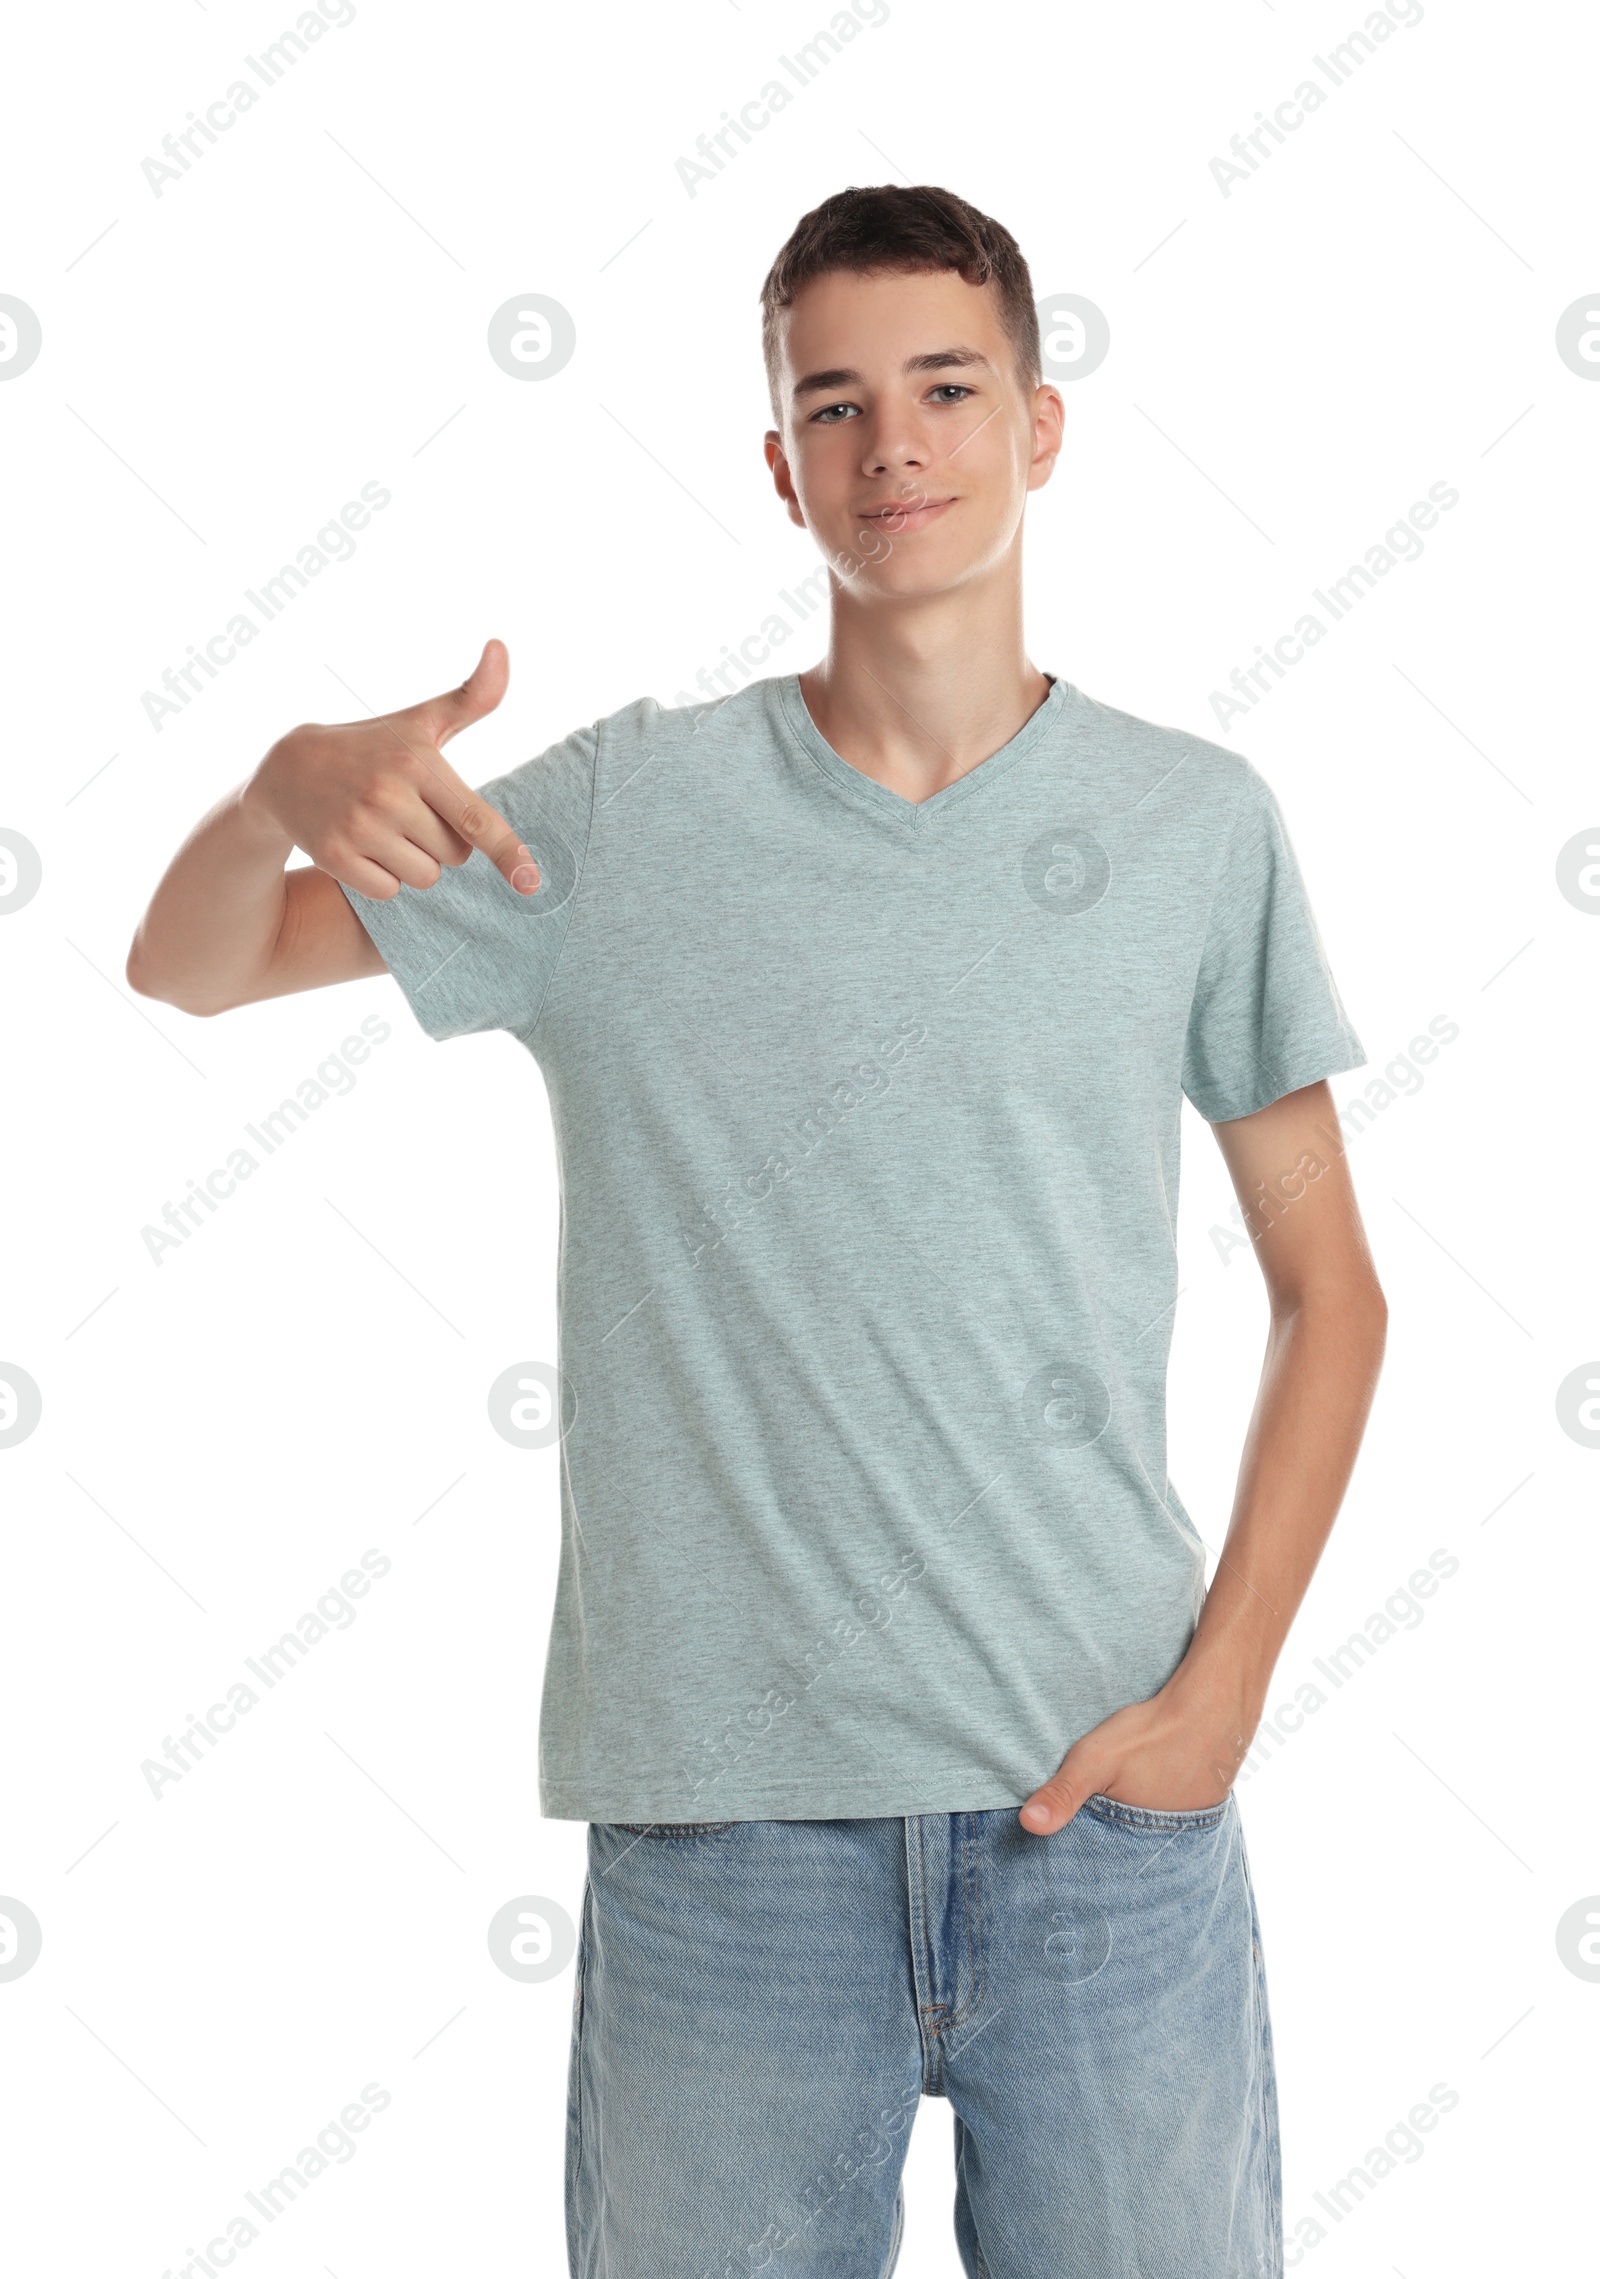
(897,445)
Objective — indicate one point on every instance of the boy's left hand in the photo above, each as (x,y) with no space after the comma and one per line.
(1178,1752)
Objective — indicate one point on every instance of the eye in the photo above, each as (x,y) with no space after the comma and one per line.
(831,414)
(951,391)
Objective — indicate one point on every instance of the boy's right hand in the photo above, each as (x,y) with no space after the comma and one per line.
(376,805)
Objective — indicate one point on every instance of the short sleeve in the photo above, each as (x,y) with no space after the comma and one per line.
(1266,1016)
(471,953)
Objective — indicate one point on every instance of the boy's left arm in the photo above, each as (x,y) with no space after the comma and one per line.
(1182,1749)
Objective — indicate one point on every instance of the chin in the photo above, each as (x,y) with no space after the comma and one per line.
(908,580)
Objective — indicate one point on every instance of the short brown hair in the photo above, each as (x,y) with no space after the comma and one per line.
(891,228)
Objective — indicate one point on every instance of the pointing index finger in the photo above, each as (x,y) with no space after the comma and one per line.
(481,825)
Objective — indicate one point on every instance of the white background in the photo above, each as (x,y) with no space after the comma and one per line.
(226,1431)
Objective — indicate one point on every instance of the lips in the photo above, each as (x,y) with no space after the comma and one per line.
(906,514)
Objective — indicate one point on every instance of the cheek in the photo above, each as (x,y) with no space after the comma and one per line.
(826,476)
(993,467)
(994,495)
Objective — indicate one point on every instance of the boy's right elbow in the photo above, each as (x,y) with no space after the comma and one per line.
(143,983)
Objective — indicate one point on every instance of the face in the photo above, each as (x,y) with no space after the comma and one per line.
(909,443)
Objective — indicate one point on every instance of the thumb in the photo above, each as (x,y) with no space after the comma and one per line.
(477,695)
(1081,1774)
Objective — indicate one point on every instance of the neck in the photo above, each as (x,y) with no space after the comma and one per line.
(917,693)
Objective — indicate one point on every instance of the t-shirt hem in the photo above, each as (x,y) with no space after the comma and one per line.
(958,1791)
(1312,1068)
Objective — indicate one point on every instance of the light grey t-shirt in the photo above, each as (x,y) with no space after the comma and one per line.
(867,1115)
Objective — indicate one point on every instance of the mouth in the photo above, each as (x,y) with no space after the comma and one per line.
(905,514)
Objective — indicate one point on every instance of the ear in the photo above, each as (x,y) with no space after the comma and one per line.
(782,480)
(1049,421)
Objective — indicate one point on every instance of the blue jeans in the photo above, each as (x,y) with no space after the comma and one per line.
(762,2004)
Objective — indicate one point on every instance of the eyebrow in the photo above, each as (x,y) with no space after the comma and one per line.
(935,360)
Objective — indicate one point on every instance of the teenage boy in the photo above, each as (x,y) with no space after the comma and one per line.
(882,1663)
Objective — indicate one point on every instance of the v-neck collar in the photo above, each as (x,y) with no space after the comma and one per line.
(865,790)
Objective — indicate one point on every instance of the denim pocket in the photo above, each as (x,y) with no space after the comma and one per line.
(1144,1816)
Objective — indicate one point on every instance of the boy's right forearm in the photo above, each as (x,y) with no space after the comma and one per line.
(214,921)
(376,806)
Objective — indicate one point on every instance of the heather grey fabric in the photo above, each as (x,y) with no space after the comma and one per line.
(867,1115)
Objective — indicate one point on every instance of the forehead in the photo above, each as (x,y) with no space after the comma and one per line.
(873,322)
